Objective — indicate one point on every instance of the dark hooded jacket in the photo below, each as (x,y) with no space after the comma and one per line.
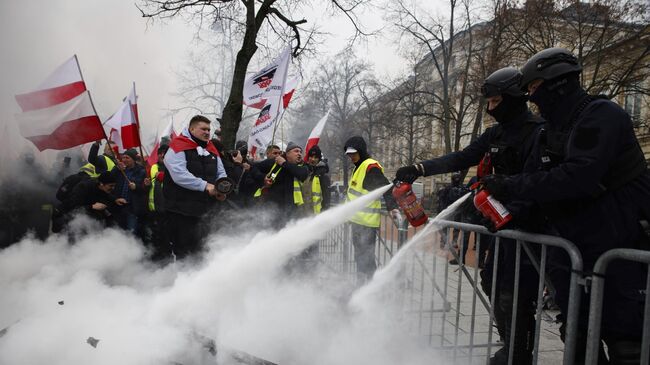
(375,179)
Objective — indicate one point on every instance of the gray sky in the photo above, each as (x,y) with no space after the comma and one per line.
(116,46)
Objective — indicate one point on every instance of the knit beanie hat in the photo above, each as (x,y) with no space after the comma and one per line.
(315,151)
(107,177)
(291,146)
(131,152)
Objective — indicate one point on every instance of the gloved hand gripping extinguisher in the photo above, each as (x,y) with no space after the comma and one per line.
(489,207)
(409,204)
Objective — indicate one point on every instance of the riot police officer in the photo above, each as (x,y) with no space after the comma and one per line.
(505,146)
(590,177)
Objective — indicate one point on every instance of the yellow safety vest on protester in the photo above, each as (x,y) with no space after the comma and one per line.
(370,215)
(297,194)
(316,195)
(152,176)
(90,168)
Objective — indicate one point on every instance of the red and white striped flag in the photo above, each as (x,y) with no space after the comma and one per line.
(125,122)
(314,136)
(59,114)
(167,132)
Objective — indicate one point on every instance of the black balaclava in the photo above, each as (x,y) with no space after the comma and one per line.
(551,94)
(509,108)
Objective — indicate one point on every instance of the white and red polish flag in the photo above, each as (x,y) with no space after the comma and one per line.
(268,82)
(289,89)
(314,136)
(167,132)
(124,121)
(59,114)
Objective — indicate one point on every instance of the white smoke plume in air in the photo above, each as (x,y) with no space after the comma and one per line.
(57,298)
(368,296)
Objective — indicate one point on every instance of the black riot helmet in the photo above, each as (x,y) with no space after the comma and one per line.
(549,64)
(502,81)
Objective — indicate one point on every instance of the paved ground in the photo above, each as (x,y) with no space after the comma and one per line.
(447,310)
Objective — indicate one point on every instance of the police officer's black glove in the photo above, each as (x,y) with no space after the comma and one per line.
(497,186)
(408,174)
(487,223)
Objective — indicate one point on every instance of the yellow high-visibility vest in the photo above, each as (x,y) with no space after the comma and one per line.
(90,168)
(370,215)
(316,195)
(152,176)
(297,194)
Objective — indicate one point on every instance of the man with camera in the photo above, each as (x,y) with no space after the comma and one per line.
(193,165)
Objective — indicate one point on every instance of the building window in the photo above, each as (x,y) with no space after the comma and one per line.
(633,102)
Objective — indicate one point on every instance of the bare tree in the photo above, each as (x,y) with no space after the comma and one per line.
(450,48)
(250,16)
(336,87)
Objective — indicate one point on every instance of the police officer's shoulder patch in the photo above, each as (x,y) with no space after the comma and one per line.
(586,138)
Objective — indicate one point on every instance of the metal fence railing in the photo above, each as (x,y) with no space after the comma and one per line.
(596,303)
(447,305)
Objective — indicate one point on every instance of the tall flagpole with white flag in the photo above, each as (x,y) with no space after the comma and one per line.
(286,61)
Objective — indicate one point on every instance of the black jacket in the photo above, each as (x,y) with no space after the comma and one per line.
(574,192)
(516,139)
(280,193)
(83,196)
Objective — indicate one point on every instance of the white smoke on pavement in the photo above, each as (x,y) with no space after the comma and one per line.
(57,299)
(368,296)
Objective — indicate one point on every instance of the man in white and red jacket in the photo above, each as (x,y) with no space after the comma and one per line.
(193,165)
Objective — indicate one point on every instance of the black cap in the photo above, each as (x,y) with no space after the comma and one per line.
(106,177)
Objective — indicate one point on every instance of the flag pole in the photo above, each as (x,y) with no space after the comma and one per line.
(100,123)
(137,124)
(281,97)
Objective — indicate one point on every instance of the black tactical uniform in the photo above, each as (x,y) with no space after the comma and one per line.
(589,175)
(507,146)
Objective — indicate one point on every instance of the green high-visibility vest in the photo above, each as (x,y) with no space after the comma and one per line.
(297,193)
(316,195)
(370,215)
(152,176)
(90,168)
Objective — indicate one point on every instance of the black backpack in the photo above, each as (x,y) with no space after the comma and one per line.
(64,190)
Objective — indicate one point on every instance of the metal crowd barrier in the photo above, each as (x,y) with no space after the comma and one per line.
(596,301)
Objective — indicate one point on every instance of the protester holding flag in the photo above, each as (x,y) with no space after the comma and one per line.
(100,163)
(193,166)
(282,183)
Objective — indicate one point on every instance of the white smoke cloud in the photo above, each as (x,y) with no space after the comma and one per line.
(239,295)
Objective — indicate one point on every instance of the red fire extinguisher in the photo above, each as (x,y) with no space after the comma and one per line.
(409,204)
(490,207)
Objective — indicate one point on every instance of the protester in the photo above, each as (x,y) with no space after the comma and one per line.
(281,192)
(246,176)
(315,190)
(98,164)
(92,197)
(193,165)
(130,187)
(273,151)
(368,175)
(156,207)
